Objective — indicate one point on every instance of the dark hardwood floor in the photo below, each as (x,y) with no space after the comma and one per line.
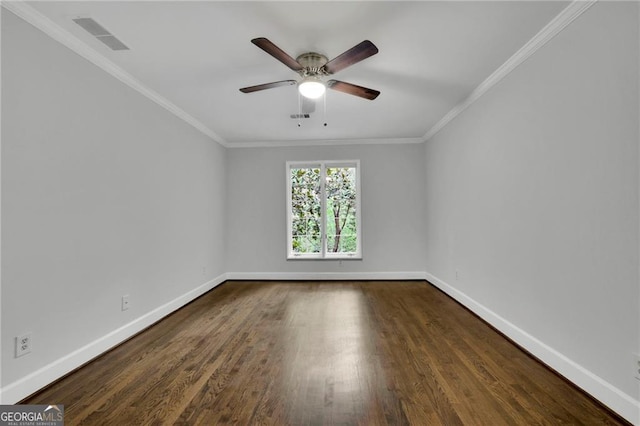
(342,353)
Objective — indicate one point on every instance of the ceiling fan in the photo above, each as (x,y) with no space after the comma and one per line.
(313,66)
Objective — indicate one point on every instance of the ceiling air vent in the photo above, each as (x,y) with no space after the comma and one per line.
(300,116)
(99,32)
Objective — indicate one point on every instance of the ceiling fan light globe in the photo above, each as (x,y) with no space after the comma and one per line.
(311,88)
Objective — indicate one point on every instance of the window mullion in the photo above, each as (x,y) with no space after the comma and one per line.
(323,210)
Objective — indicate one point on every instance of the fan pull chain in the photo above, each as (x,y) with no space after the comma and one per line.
(299,109)
(324,99)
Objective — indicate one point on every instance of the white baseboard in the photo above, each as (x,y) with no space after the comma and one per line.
(35,381)
(600,389)
(326,276)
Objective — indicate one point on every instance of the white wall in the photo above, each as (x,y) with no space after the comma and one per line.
(532,197)
(104,193)
(392,204)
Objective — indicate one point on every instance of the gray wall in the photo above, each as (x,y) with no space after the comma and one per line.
(392,207)
(104,193)
(532,197)
(524,207)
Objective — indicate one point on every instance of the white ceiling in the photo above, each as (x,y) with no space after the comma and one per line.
(197,54)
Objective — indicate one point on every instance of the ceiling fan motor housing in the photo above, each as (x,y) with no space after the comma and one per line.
(312,63)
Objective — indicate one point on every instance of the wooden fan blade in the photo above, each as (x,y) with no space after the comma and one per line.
(353,89)
(265,86)
(277,53)
(354,55)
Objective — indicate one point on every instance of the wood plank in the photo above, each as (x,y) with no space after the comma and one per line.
(348,353)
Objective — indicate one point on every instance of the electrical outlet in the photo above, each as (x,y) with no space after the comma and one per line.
(457,275)
(23,344)
(126,303)
(636,365)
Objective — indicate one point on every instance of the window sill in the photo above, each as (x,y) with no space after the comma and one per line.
(340,258)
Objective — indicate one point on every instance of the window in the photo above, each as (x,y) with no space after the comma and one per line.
(323,210)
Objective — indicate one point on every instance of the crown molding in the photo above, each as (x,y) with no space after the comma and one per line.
(21,9)
(553,28)
(322,142)
(35,18)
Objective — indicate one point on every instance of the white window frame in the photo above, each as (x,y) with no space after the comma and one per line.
(324,254)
